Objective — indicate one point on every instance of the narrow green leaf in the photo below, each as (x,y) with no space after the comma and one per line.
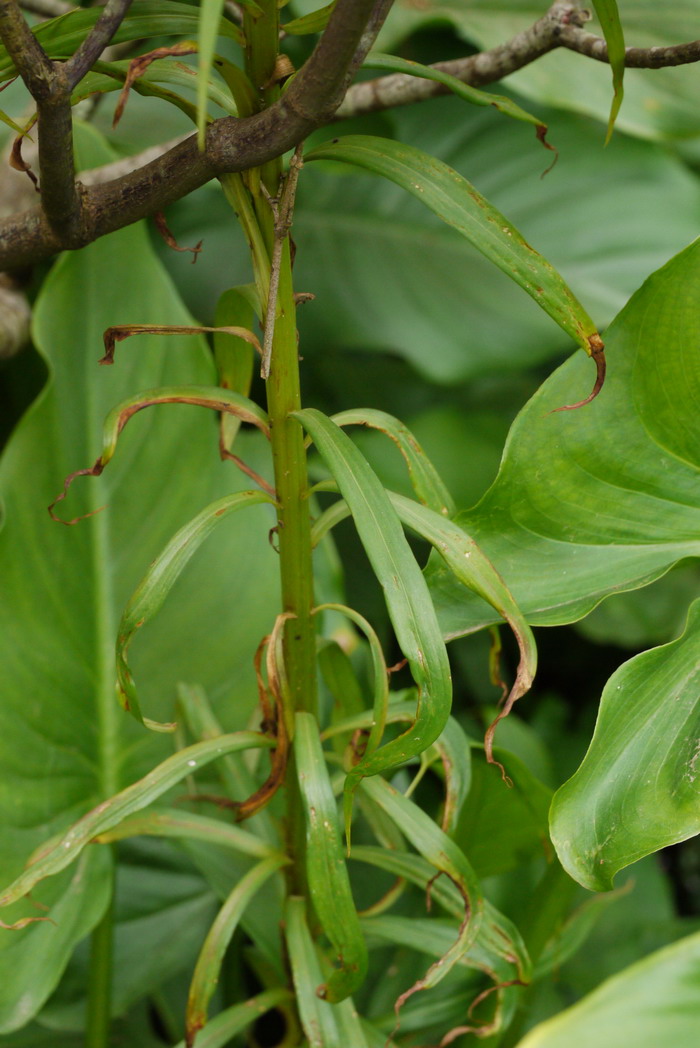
(223,1027)
(234,356)
(472,568)
(149,596)
(650,1003)
(637,789)
(381,677)
(425,479)
(442,853)
(314,22)
(170,822)
(319,1019)
(61,37)
(208,967)
(58,853)
(609,18)
(326,872)
(448,195)
(209,22)
(394,64)
(408,603)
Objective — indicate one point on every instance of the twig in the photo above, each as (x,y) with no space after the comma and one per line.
(283,211)
(95,42)
(310,101)
(46,8)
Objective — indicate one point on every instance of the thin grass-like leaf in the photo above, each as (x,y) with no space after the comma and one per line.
(319,1019)
(170,822)
(394,64)
(380,702)
(209,21)
(149,596)
(314,22)
(227,1024)
(58,853)
(234,355)
(473,568)
(326,872)
(208,967)
(406,595)
(609,18)
(454,200)
(447,858)
(61,37)
(425,479)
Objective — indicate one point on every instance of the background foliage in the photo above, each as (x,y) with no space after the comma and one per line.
(598,505)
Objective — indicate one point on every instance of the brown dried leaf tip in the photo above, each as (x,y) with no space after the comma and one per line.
(598,355)
(165,232)
(93,471)
(139,65)
(18,163)
(541,132)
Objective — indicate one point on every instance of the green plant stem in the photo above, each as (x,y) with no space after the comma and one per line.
(97,1025)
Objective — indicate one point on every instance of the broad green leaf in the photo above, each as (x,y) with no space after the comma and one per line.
(659,103)
(638,789)
(425,479)
(652,1002)
(394,64)
(34,958)
(453,199)
(591,502)
(149,596)
(65,750)
(609,18)
(60,37)
(57,853)
(208,968)
(326,872)
(407,599)
(321,1020)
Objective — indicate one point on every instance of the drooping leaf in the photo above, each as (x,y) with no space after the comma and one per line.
(327,875)
(313,22)
(409,607)
(604,499)
(425,479)
(219,1031)
(395,64)
(170,822)
(59,852)
(149,596)
(453,199)
(208,968)
(638,788)
(653,1001)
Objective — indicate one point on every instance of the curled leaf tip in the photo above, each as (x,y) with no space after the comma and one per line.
(93,471)
(541,133)
(597,353)
(23,922)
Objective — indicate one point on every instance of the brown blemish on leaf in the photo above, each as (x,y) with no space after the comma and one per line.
(139,65)
(598,355)
(167,235)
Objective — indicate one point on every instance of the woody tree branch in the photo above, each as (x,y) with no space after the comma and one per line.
(50,84)
(317,95)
